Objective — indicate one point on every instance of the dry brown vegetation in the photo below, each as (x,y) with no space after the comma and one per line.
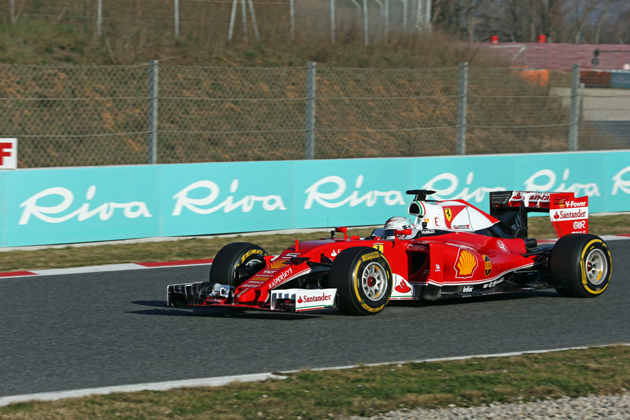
(71,116)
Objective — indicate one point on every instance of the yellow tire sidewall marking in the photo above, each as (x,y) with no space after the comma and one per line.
(250,252)
(588,247)
(356,286)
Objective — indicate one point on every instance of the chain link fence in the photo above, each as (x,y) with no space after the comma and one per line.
(85,116)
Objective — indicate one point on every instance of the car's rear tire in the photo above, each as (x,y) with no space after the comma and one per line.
(580,265)
(229,264)
(363,279)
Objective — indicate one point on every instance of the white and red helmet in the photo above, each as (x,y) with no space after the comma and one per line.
(397,222)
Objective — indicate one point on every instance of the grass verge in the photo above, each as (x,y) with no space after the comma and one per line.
(200,248)
(364,391)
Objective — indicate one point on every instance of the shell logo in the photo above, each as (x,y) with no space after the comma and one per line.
(279,263)
(466,264)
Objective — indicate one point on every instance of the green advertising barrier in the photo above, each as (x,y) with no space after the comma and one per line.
(67,205)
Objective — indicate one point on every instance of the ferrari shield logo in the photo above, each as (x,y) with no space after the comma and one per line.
(448,214)
(466,264)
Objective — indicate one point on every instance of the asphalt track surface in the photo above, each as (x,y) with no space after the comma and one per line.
(105,329)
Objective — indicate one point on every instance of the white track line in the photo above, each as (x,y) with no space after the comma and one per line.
(153,386)
(91,269)
(224,380)
(96,269)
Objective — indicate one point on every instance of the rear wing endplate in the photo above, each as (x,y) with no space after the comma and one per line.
(568,214)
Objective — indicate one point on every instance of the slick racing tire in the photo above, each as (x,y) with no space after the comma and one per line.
(237,262)
(580,265)
(363,279)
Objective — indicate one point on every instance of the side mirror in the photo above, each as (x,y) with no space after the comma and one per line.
(342,230)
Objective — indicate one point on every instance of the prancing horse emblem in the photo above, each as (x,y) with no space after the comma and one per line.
(448,213)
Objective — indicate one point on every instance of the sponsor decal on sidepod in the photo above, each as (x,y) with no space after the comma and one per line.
(465,265)
(416,247)
(488,265)
(403,287)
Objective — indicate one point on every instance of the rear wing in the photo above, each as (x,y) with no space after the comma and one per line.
(568,214)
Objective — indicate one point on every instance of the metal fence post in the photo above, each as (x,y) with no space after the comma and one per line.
(99,17)
(309,143)
(365,22)
(332,20)
(176,6)
(153,113)
(292,17)
(462,97)
(581,113)
(404,15)
(575,107)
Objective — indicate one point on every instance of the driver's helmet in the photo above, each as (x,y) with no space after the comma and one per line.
(394,223)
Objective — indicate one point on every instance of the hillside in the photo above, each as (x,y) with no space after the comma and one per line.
(38,40)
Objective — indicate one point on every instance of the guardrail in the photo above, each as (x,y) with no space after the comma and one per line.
(53,206)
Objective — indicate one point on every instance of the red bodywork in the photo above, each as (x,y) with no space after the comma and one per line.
(450,261)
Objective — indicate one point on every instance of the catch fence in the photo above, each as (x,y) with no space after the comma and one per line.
(153,113)
(234,20)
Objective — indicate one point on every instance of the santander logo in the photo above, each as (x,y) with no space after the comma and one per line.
(569,215)
(403,287)
(309,299)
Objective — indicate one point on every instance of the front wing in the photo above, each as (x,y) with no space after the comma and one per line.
(204,294)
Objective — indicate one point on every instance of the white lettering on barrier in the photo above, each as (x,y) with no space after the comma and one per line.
(391,198)
(131,210)
(247,203)
(545,180)
(620,183)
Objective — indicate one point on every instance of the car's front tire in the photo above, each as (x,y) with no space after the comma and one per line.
(363,279)
(580,265)
(236,262)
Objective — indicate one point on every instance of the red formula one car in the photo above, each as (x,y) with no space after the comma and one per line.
(453,249)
